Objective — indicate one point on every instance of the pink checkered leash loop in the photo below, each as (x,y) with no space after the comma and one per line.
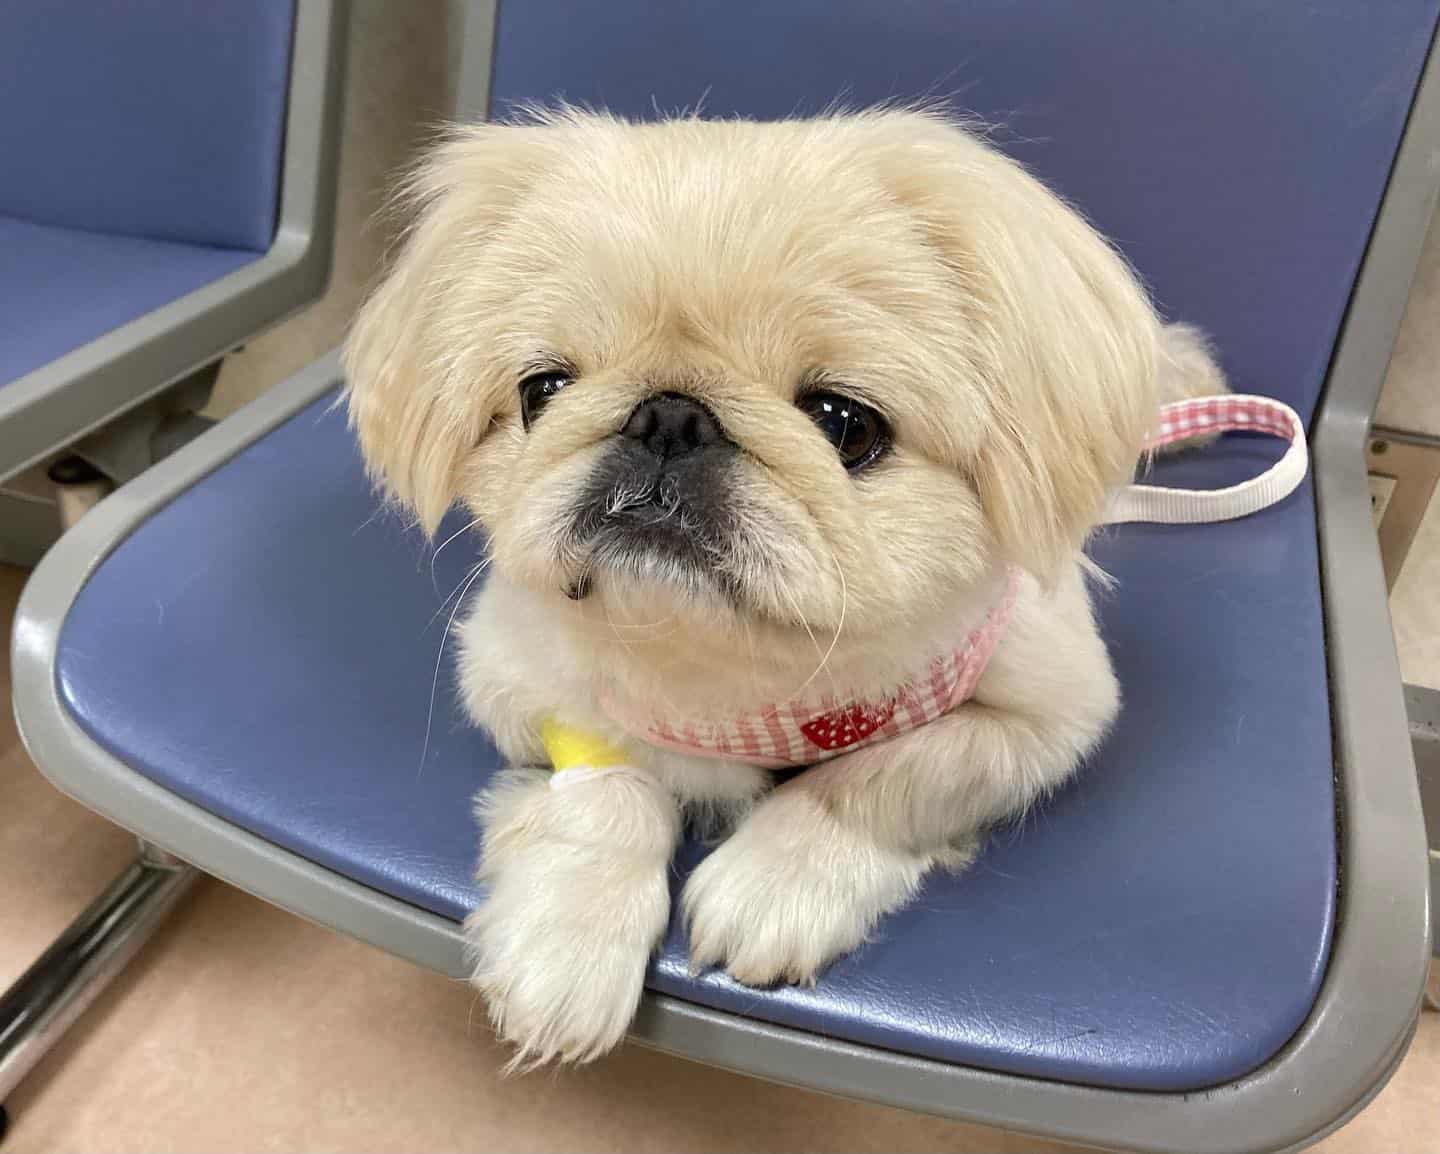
(1234,413)
(800,732)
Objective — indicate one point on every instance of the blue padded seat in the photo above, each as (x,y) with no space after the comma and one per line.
(155,118)
(60,288)
(142,146)
(265,646)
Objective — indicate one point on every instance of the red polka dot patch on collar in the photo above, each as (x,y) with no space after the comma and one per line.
(843,728)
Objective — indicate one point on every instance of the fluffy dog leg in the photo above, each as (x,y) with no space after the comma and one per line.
(822,859)
(576,900)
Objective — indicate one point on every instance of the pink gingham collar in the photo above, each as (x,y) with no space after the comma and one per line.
(803,731)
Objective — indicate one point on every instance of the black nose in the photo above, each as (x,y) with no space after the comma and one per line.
(671,425)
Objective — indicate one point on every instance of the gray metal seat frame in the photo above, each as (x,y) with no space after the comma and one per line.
(117,397)
(1370,1000)
(60,402)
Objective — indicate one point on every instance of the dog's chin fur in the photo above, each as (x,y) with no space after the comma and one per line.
(890,256)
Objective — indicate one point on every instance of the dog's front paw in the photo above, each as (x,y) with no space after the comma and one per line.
(792,890)
(576,901)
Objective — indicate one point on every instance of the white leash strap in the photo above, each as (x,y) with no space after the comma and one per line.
(1200,417)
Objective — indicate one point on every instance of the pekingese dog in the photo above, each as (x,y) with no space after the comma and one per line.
(786,438)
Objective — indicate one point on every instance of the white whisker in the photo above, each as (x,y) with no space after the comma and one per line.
(458,532)
(464,582)
(839,625)
(640,624)
(824,657)
(665,701)
(610,621)
(439,659)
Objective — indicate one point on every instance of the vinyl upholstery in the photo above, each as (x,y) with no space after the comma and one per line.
(60,288)
(266,644)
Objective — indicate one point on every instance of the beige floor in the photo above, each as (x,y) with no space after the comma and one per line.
(241,1028)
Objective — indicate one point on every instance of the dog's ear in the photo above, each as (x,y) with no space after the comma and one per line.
(1059,330)
(412,403)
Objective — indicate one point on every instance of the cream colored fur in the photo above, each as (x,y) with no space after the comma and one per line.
(891,253)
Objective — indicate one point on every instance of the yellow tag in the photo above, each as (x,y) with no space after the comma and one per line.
(570,747)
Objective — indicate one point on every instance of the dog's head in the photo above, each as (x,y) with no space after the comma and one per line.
(791,372)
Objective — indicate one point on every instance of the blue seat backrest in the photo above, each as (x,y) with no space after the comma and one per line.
(1236,152)
(153,118)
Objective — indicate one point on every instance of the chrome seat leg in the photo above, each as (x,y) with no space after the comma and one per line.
(67,977)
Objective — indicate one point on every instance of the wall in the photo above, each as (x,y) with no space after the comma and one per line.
(400,85)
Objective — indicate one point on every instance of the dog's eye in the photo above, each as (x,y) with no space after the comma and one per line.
(536,391)
(859,434)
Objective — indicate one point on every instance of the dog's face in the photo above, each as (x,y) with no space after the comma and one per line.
(795,373)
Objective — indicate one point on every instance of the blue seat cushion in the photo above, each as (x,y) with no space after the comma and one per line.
(265,646)
(61,288)
(1235,152)
(158,118)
